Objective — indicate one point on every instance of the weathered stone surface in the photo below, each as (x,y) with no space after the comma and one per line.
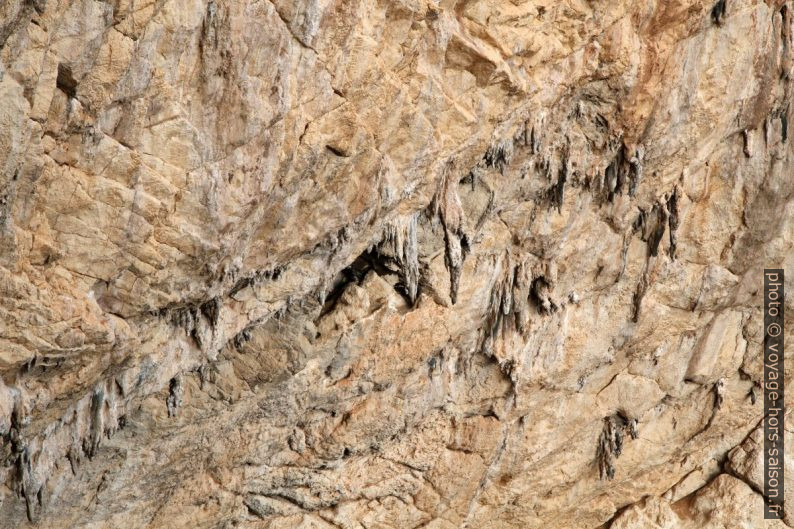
(394,264)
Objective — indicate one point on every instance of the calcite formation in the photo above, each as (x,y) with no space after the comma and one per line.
(390,263)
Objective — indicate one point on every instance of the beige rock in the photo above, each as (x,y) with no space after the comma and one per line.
(390,264)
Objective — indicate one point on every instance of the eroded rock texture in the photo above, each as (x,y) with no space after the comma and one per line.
(389,263)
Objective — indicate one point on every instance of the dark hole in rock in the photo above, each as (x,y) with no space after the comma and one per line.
(368,261)
(66,81)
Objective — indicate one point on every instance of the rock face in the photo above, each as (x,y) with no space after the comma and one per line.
(389,263)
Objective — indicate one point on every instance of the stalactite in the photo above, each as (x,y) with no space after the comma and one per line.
(400,241)
(639,293)
(28,488)
(453,260)
(175,393)
(610,442)
(241,338)
(636,166)
(652,225)
(499,155)
(447,207)
(508,306)
(748,143)
(211,310)
(97,422)
(256,278)
(558,191)
(719,393)
(673,205)
(536,134)
(614,175)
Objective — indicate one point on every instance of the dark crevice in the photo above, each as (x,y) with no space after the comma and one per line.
(718,11)
(673,221)
(369,261)
(615,175)
(539,295)
(337,152)
(653,223)
(636,301)
(66,81)
(558,190)
(658,232)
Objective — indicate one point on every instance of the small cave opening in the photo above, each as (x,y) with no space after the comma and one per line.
(370,260)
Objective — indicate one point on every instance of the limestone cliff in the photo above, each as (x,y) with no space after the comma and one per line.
(389,263)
